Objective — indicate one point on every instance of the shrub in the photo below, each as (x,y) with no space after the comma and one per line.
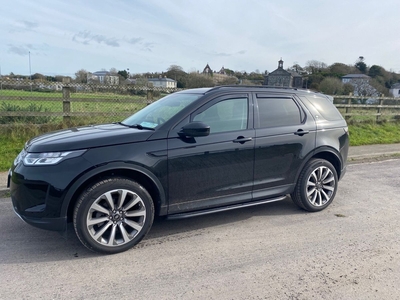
(23,117)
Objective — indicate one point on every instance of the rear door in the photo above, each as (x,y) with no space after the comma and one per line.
(285,134)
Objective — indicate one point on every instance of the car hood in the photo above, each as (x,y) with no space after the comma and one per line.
(86,137)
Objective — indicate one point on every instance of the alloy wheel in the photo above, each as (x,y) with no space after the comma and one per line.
(320,186)
(116,217)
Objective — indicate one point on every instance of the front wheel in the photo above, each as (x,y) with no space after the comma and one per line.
(113,215)
(317,185)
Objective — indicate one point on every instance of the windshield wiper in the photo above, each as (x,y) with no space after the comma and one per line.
(138,126)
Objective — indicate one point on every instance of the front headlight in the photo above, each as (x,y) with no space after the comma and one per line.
(49,158)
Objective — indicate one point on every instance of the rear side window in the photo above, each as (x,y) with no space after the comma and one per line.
(325,107)
(274,112)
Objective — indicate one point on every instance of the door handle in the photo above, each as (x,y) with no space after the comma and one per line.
(242,139)
(301,132)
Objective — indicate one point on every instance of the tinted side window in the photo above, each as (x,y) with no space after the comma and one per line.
(325,107)
(275,112)
(227,115)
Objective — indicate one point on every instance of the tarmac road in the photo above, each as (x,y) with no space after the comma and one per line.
(351,250)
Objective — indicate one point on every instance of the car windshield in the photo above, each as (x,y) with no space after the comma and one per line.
(160,111)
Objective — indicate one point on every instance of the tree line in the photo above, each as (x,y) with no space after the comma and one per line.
(317,76)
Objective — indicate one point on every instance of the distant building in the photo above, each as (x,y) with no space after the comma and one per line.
(207,70)
(395,90)
(360,83)
(349,78)
(217,77)
(163,82)
(103,77)
(284,78)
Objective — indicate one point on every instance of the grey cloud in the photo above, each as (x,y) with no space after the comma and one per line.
(229,54)
(223,54)
(23,26)
(134,41)
(85,37)
(19,50)
(148,47)
(29,25)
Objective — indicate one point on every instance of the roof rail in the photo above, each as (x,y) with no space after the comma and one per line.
(256,86)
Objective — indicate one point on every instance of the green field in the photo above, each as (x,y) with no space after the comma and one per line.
(96,102)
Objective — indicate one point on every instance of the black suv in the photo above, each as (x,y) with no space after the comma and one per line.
(190,153)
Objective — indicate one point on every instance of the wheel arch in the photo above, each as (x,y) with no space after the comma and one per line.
(141,175)
(327,153)
(331,155)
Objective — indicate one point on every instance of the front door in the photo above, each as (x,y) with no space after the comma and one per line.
(217,169)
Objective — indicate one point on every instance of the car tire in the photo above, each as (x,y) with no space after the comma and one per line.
(317,185)
(113,215)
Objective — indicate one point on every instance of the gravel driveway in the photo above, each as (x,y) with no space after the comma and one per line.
(351,250)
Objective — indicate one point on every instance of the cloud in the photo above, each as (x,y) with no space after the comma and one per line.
(148,47)
(29,25)
(86,37)
(19,50)
(134,41)
(23,26)
(223,54)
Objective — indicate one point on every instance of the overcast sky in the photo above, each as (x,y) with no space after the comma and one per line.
(150,35)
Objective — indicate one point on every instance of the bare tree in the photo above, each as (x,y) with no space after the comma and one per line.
(297,68)
(175,68)
(81,76)
(315,66)
(142,81)
(176,72)
(113,71)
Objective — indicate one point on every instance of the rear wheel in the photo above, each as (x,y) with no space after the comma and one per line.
(113,215)
(317,185)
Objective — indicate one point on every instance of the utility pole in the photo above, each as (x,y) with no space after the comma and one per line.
(30,72)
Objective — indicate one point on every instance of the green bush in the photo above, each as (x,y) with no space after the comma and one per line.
(32,107)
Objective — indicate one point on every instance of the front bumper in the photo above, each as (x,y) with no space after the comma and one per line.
(37,197)
(54,224)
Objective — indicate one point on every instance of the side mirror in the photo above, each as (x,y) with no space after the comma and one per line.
(194,129)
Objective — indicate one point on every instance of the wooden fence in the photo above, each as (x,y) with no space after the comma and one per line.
(368,108)
(97,104)
(88,103)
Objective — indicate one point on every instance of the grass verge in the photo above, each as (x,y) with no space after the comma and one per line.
(373,133)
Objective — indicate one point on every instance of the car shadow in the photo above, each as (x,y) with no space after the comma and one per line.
(163,227)
(35,245)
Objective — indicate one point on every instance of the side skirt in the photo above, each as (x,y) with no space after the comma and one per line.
(225,208)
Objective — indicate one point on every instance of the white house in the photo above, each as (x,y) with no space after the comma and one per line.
(103,77)
(361,85)
(163,82)
(349,78)
(395,90)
